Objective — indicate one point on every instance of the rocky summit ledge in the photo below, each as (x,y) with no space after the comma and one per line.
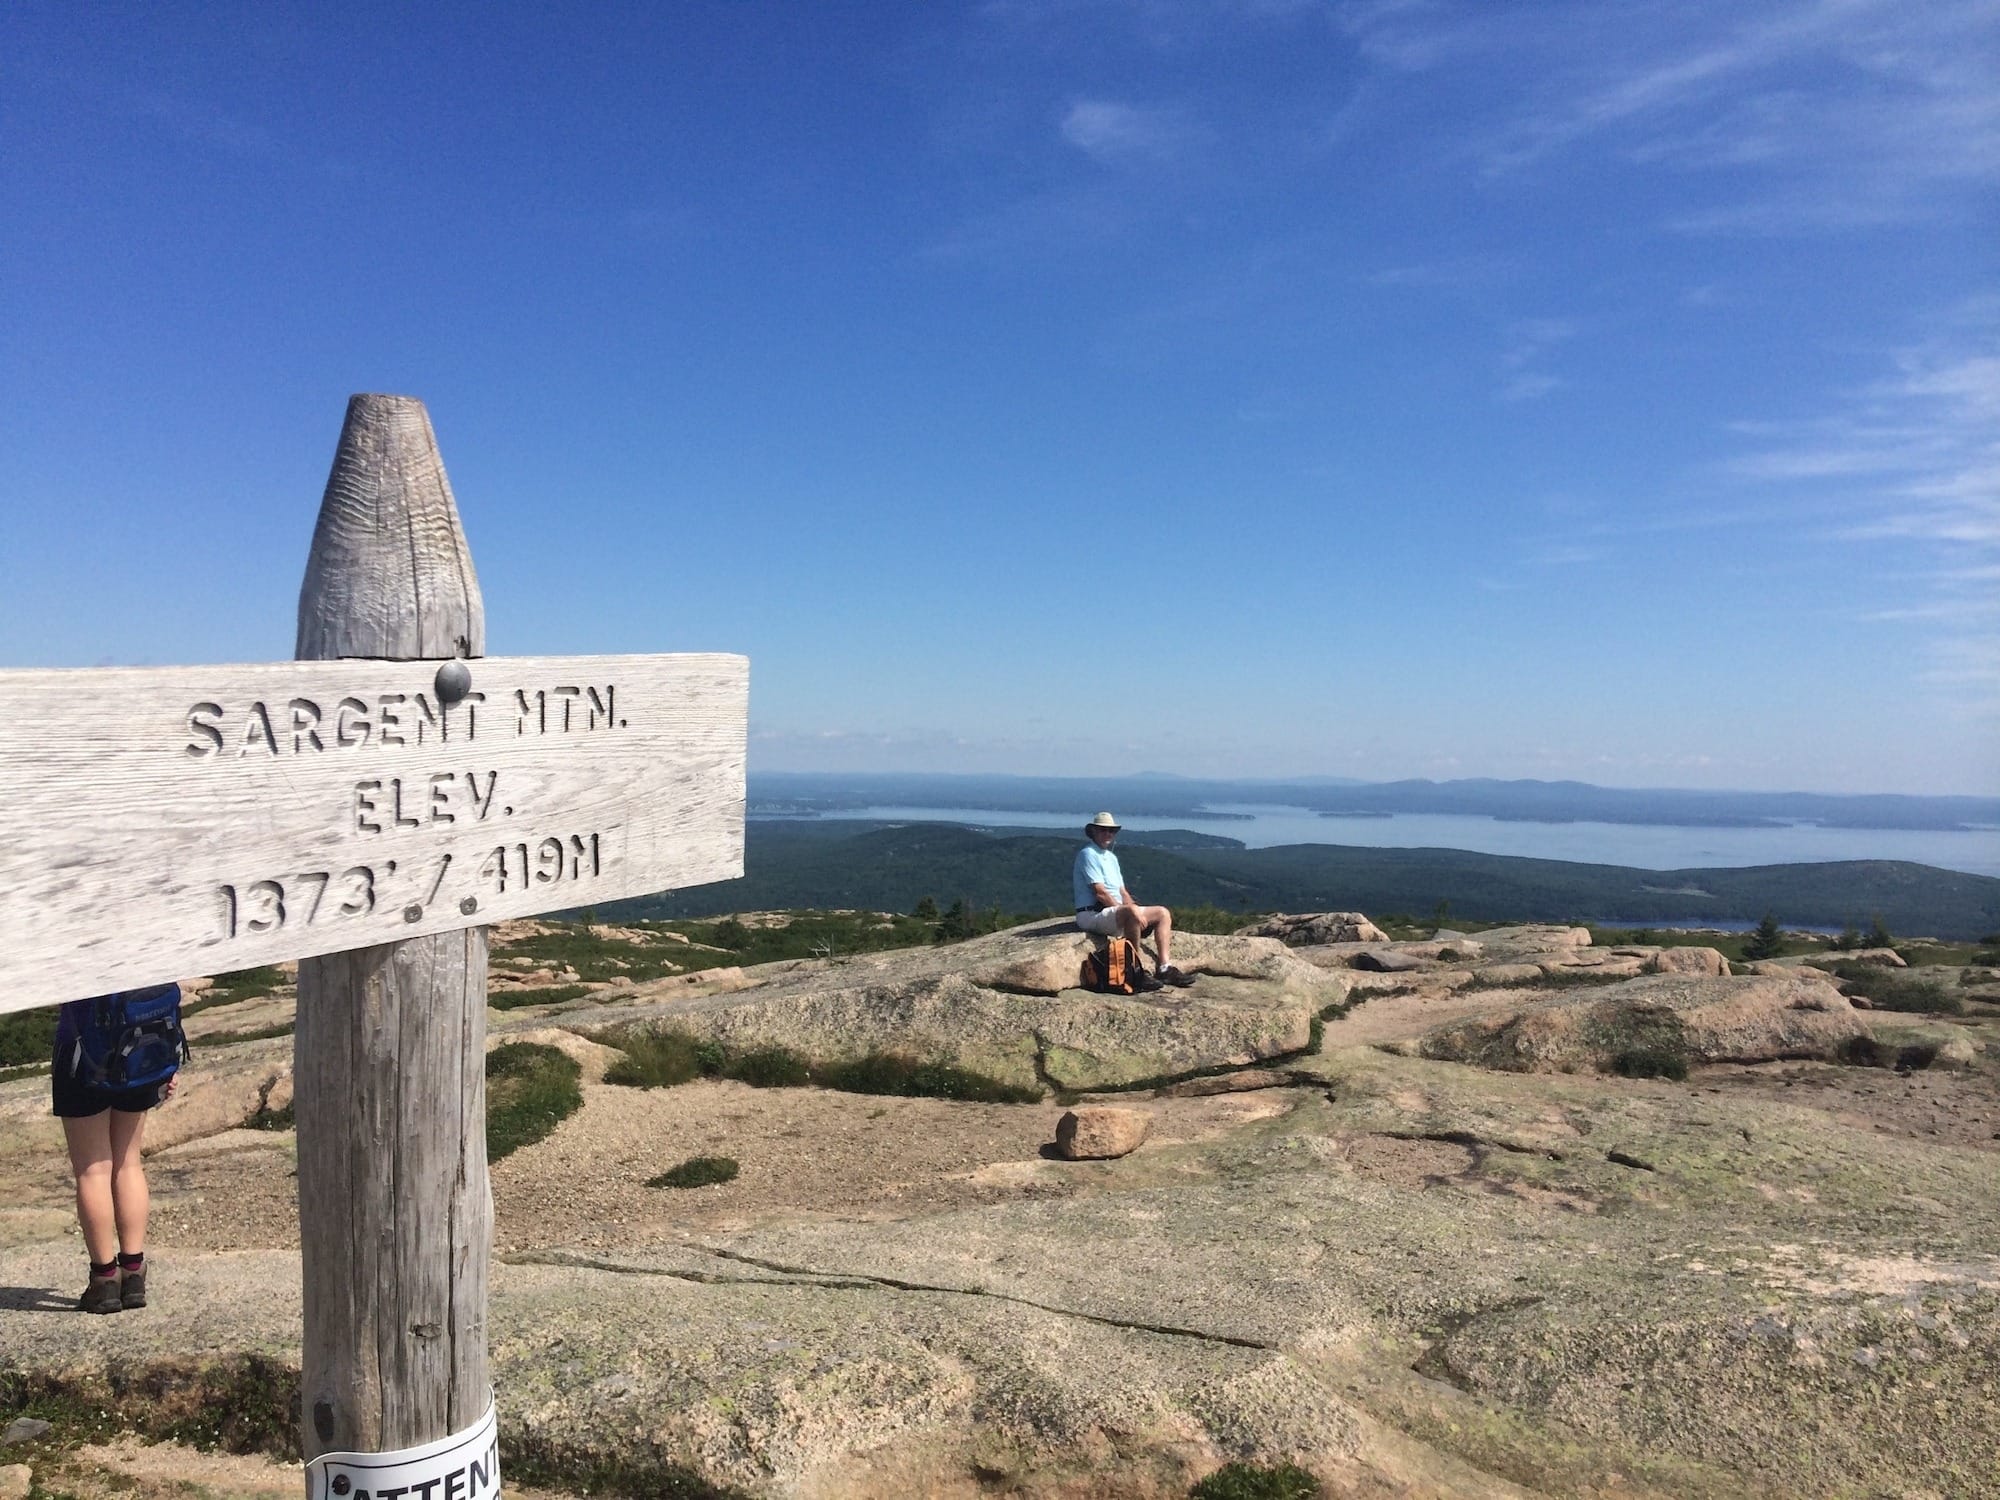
(1009,1006)
(1453,1251)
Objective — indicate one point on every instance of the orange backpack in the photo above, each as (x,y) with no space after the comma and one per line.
(1113,971)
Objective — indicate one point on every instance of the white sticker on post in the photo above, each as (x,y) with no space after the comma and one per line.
(464,1466)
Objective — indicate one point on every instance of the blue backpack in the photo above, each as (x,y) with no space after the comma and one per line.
(131,1039)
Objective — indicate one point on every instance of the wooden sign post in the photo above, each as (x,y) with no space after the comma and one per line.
(389,1052)
(366,810)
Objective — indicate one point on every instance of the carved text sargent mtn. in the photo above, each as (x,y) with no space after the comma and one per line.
(304,726)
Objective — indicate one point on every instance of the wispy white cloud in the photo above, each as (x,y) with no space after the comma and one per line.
(1451,274)
(1408,36)
(1120,134)
(1793,113)
(1909,465)
(1528,342)
(1529,385)
(1566,556)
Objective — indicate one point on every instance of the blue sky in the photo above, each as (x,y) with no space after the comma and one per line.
(1253,387)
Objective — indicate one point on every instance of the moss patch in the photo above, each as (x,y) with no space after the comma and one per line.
(242,1404)
(530,1089)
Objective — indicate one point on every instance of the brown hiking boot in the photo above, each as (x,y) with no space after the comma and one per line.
(101,1296)
(132,1290)
(1180,979)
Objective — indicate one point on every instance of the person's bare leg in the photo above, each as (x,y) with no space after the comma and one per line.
(89,1142)
(1131,923)
(1162,922)
(131,1198)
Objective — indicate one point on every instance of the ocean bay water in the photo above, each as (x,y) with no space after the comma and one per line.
(1643,846)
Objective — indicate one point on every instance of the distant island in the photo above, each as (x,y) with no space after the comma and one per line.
(796,794)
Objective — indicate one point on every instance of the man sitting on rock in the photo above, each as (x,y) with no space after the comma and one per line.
(1105,907)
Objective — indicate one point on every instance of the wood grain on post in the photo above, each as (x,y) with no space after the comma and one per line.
(395,1212)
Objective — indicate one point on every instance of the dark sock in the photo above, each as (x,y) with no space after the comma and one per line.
(109,1268)
(130,1263)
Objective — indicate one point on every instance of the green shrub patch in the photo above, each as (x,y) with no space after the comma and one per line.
(1651,1062)
(1258,1482)
(530,1089)
(661,1059)
(259,1034)
(767,1068)
(243,984)
(696,1171)
(892,1073)
(27,1036)
(1893,989)
(548,994)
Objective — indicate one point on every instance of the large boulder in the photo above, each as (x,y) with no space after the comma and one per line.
(1688,961)
(1311,929)
(1007,1006)
(1754,1018)
(1497,942)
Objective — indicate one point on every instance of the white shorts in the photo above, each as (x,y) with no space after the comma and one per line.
(1103,922)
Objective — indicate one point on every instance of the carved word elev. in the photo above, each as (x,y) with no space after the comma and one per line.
(302,726)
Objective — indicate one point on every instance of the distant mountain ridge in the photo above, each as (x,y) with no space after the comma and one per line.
(1153,795)
(891,866)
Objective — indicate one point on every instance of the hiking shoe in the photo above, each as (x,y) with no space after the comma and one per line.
(101,1296)
(1144,983)
(132,1290)
(1180,979)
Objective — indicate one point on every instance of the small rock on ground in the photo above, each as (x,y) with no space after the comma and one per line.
(1098,1132)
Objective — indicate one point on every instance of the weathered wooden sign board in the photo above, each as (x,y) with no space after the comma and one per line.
(165,822)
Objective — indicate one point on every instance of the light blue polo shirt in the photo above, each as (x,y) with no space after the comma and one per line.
(1099,865)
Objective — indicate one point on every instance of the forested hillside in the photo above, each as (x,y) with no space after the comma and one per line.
(891,867)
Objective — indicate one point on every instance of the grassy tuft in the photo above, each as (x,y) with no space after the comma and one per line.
(696,1171)
(530,1089)
(1258,1482)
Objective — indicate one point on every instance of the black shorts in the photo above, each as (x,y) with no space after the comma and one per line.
(76,1100)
